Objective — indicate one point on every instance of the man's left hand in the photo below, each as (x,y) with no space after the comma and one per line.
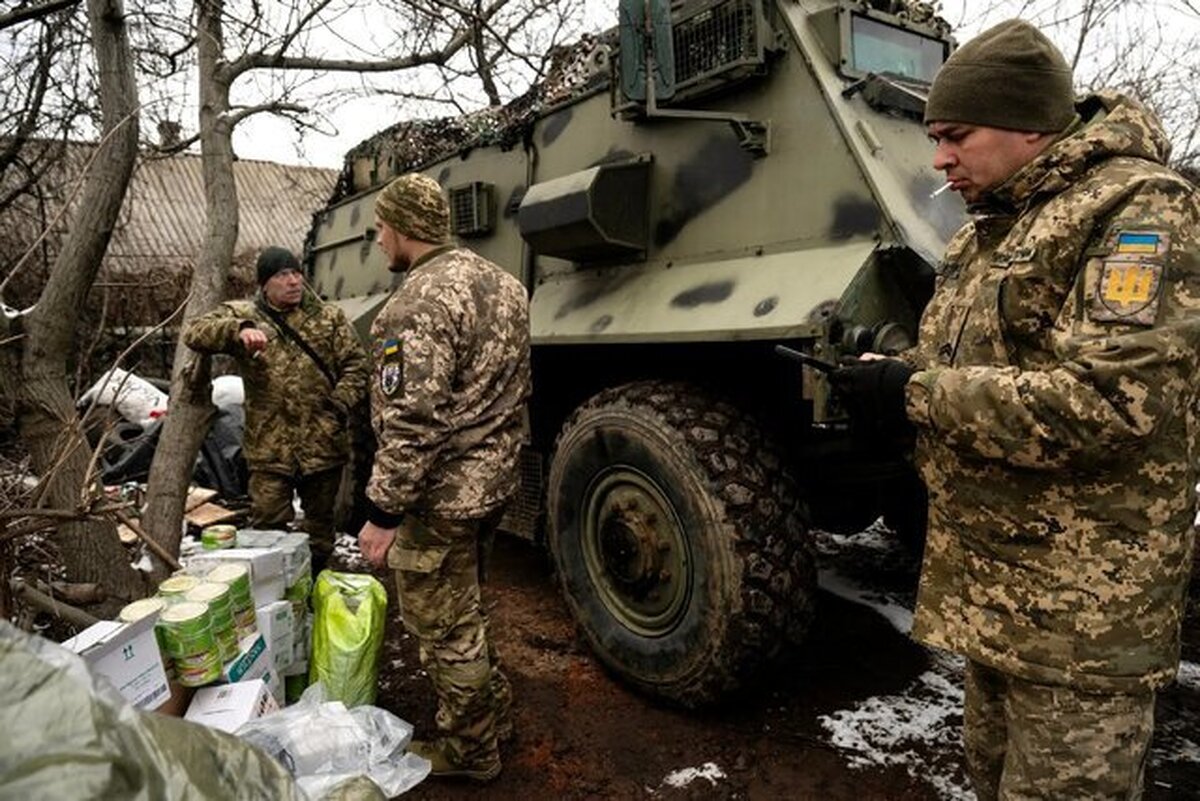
(873,393)
(374,542)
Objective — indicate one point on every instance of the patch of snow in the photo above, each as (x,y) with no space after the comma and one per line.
(895,613)
(685,776)
(1175,741)
(875,537)
(1189,675)
(918,730)
(143,564)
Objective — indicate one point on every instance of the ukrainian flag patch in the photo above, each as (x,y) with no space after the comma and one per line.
(1140,243)
(391,347)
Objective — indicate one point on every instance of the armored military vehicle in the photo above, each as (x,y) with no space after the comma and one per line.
(706,182)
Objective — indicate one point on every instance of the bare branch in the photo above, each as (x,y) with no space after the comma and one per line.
(34,12)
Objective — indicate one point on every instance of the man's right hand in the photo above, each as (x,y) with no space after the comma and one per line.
(374,542)
(253,340)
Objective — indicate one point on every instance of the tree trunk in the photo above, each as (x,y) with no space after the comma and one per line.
(190,406)
(46,415)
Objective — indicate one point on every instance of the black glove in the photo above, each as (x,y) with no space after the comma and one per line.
(873,394)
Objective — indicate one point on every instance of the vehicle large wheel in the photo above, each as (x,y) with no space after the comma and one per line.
(679,539)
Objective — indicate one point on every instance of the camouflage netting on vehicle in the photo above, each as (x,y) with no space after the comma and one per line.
(575,69)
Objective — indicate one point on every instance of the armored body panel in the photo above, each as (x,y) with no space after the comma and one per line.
(725,176)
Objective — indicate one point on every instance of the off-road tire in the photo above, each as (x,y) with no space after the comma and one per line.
(744,560)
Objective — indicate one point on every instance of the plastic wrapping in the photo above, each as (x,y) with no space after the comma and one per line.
(349,612)
(324,745)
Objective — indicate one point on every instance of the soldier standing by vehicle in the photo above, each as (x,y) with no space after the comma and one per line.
(1053,394)
(452,375)
(304,369)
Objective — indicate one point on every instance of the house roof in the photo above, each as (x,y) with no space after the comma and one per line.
(162,219)
(164,214)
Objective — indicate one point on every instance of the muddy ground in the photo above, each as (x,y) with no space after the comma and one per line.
(859,712)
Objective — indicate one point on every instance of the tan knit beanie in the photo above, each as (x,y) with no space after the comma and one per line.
(1010,76)
(413,204)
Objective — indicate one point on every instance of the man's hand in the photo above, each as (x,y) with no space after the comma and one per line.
(253,340)
(872,390)
(374,542)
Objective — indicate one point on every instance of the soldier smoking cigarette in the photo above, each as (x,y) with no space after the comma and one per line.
(940,189)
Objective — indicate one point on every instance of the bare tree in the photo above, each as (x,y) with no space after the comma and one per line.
(37,344)
(281,42)
(1146,49)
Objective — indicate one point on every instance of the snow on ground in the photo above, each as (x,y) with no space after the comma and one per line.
(1189,676)
(917,730)
(681,778)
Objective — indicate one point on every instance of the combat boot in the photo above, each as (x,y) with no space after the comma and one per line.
(445,764)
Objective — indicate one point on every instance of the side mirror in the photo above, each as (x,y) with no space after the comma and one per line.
(647,48)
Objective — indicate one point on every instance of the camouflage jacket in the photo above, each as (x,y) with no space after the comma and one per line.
(295,421)
(1057,414)
(452,375)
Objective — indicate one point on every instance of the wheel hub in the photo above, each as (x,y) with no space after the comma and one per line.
(636,551)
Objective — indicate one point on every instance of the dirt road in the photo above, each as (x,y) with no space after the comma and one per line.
(860,712)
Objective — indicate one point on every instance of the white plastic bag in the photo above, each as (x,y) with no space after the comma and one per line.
(322,743)
(228,390)
(135,399)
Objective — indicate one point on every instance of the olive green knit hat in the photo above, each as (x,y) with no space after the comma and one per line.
(414,205)
(1010,76)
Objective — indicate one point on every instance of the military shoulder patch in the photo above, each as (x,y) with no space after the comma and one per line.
(1130,282)
(391,366)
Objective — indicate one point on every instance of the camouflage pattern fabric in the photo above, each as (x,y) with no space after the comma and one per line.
(452,374)
(295,422)
(438,568)
(1038,742)
(271,506)
(1056,407)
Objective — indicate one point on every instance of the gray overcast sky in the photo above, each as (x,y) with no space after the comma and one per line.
(273,139)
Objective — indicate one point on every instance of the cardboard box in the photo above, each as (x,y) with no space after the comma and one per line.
(253,662)
(266,569)
(294,544)
(127,655)
(276,621)
(228,706)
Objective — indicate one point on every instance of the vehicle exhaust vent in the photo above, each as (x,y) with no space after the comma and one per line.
(472,209)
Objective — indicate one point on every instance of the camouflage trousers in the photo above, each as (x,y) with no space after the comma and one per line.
(271,505)
(1027,741)
(439,566)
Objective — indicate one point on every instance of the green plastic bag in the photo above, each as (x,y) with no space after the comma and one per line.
(349,612)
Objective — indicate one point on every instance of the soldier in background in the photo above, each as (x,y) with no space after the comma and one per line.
(1053,395)
(452,376)
(304,369)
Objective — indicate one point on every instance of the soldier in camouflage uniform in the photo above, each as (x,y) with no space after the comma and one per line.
(1053,393)
(452,376)
(296,409)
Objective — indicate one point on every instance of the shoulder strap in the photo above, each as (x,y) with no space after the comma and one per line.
(291,334)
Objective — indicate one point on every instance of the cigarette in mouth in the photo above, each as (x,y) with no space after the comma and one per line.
(940,189)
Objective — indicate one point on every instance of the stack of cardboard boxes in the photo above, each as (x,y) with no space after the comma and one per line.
(252,682)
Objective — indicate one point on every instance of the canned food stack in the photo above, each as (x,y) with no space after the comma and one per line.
(188,631)
(237,578)
(220,608)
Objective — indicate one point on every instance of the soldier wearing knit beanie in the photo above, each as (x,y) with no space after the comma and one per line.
(414,206)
